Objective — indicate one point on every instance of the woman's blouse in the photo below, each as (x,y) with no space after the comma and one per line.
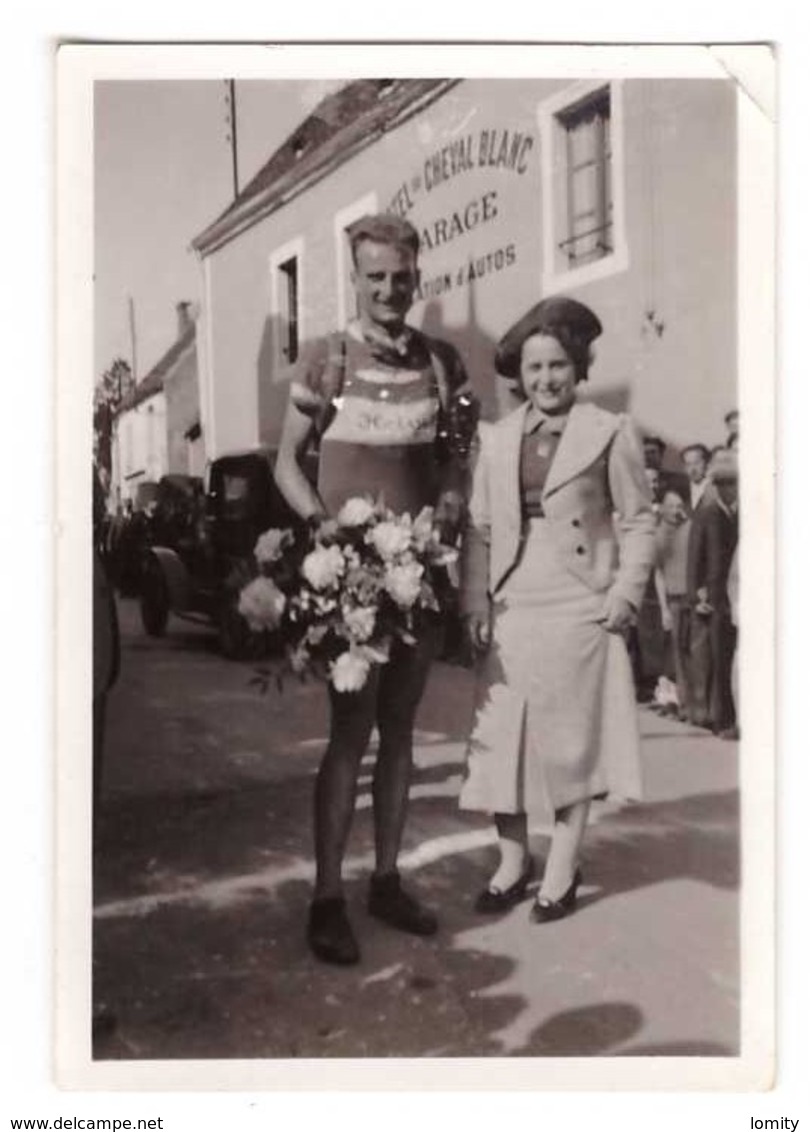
(537,450)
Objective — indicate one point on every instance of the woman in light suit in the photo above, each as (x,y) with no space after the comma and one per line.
(558,551)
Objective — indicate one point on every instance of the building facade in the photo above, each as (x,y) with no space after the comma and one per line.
(619,193)
(140,451)
(184,436)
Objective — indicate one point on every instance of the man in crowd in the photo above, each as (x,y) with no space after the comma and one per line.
(653,477)
(696,459)
(665,479)
(646,641)
(696,462)
(712,544)
(654,449)
(672,541)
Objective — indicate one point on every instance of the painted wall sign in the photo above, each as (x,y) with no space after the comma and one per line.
(488,149)
(485,150)
(478,211)
(476,267)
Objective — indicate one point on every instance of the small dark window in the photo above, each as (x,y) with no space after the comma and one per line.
(288,304)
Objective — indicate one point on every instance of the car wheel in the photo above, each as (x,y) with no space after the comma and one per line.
(154,600)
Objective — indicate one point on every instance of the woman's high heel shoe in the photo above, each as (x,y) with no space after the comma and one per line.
(545,910)
(492,901)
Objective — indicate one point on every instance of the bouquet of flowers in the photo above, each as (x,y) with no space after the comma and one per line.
(340,592)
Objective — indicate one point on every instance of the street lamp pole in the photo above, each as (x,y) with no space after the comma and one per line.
(232,123)
(132,342)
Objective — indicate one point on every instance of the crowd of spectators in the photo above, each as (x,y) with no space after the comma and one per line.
(683,646)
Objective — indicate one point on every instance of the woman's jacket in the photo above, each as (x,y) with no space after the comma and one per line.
(596,503)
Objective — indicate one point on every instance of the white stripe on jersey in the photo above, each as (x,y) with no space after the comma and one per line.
(388,377)
(364,421)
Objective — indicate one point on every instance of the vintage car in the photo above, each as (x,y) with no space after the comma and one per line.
(128,537)
(197,567)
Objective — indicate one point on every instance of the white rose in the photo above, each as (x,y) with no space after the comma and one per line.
(328,529)
(389,539)
(270,545)
(261,603)
(355,512)
(352,557)
(349,672)
(403,583)
(299,659)
(315,634)
(360,621)
(323,566)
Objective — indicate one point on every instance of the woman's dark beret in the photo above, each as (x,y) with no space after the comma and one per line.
(571,322)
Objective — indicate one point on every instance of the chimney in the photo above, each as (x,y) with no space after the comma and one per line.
(184,318)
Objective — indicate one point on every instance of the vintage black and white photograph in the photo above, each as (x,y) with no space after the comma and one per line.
(417,433)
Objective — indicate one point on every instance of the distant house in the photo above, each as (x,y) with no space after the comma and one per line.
(621,193)
(186,451)
(157,427)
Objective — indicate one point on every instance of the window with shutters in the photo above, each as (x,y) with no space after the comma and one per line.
(588,230)
(583,185)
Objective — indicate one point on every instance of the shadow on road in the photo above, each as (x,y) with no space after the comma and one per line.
(202,879)
(687,838)
(605,1029)
(199,948)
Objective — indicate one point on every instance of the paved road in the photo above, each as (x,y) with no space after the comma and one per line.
(203,878)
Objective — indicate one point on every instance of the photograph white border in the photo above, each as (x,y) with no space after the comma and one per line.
(78,68)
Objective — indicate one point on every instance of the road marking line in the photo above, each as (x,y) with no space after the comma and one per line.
(223,893)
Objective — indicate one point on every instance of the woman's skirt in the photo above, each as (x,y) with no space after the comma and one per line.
(556,719)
